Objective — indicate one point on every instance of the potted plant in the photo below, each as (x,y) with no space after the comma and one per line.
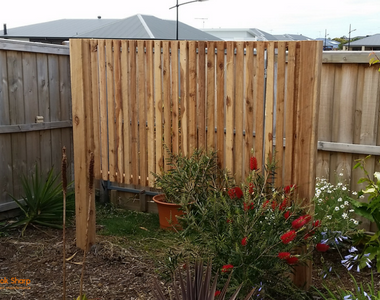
(188,180)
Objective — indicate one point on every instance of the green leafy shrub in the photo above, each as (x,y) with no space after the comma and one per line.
(255,230)
(43,201)
(191,178)
(371,211)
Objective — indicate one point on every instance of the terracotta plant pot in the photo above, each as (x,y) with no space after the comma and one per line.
(167,213)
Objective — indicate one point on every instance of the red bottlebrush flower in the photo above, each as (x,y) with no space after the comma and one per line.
(274,205)
(248,206)
(231,193)
(283,255)
(253,163)
(229,221)
(283,204)
(292,260)
(322,247)
(235,192)
(317,223)
(227,268)
(244,241)
(288,236)
(287,215)
(238,192)
(307,218)
(301,221)
(184,266)
(217,293)
(251,188)
(289,188)
(265,204)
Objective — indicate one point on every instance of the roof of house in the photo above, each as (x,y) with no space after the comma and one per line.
(292,37)
(328,42)
(241,34)
(371,41)
(253,34)
(134,27)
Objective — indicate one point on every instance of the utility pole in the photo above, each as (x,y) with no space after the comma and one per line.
(349,36)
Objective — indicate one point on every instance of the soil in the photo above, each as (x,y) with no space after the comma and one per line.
(111,271)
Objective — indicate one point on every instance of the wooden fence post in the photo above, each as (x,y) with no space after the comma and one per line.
(305,138)
(81,92)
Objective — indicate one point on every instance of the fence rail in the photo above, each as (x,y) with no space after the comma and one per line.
(35,83)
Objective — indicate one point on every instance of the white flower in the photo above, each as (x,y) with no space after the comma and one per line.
(329,191)
(337,208)
(339,184)
(340,200)
(344,216)
(320,200)
(351,210)
(344,188)
(361,197)
(345,202)
(342,206)
(329,217)
(354,193)
(340,174)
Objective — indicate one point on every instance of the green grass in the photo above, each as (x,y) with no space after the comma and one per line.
(140,229)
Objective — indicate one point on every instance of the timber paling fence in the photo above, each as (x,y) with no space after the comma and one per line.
(35,113)
(349,123)
(348,126)
(130,98)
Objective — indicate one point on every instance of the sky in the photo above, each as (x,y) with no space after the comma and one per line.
(314,19)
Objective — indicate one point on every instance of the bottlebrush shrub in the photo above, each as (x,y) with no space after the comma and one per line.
(253,229)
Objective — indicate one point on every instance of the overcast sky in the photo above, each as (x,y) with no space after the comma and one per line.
(310,18)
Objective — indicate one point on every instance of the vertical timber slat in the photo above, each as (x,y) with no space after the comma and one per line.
(82,157)
(210,110)
(230,106)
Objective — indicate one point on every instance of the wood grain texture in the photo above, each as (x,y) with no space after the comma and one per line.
(240,166)
(81,163)
(211,91)
(125,89)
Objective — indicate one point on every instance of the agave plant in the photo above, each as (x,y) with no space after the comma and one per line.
(42,203)
(198,286)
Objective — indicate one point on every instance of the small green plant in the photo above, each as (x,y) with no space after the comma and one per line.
(371,211)
(359,292)
(191,178)
(335,213)
(253,229)
(42,203)
(199,285)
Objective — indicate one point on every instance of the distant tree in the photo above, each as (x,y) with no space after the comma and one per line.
(344,40)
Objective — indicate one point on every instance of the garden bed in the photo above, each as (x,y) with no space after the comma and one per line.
(117,268)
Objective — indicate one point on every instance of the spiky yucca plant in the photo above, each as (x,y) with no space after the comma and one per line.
(198,286)
(42,203)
